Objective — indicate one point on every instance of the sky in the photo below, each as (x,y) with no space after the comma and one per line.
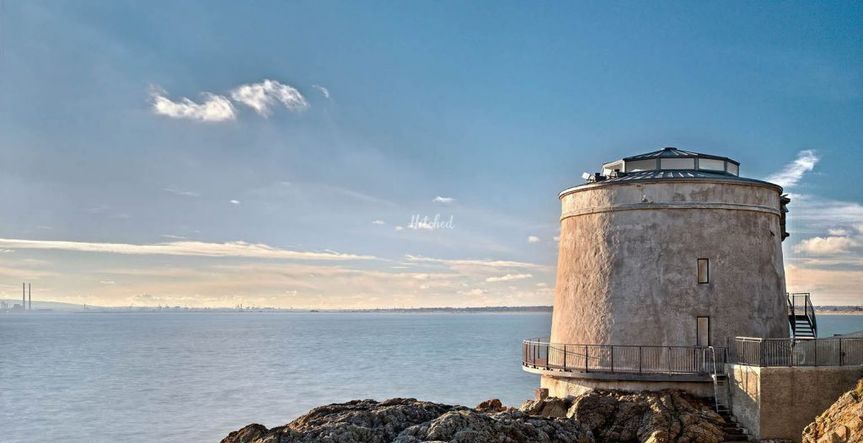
(296,154)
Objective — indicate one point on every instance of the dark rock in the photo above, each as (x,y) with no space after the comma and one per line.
(493,405)
(249,433)
(355,421)
(616,416)
(466,426)
(548,407)
(598,416)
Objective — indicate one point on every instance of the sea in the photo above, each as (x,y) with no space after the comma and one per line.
(196,376)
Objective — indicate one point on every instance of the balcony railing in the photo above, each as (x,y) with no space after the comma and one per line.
(771,352)
(622,359)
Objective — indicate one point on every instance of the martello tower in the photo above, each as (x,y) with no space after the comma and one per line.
(670,248)
(670,275)
(666,258)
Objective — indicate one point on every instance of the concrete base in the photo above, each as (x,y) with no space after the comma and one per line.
(570,386)
(777,403)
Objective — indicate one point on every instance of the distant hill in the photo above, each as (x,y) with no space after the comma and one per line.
(52,305)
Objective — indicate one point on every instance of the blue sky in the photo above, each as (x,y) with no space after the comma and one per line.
(299,192)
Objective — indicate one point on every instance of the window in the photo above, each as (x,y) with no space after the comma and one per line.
(702,332)
(711,164)
(733,169)
(678,163)
(640,165)
(703,271)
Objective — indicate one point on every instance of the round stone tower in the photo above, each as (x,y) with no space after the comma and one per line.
(670,248)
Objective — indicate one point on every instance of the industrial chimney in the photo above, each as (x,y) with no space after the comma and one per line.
(29,298)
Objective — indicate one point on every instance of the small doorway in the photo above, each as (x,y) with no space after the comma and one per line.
(702,333)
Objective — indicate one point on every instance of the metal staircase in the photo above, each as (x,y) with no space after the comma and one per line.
(801,317)
(732,431)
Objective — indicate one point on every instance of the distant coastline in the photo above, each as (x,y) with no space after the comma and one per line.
(48,306)
(839,310)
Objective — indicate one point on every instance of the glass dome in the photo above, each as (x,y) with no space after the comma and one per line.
(672,159)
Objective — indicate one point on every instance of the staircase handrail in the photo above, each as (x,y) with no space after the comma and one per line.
(713,357)
(791,314)
(810,314)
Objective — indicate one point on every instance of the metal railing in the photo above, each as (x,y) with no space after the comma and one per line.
(800,306)
(768,352)
(622,359)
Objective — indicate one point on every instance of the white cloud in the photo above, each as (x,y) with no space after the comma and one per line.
(324,91)
(378,222)
(183,248)
(234,202)
(825,245)
(509,277)
(815,214)
(264,95)
(214,108)
(443,200)
(468,262)
(181,192)
(837,232)
(532,239)
(793,172)
(399,228)
(107,282)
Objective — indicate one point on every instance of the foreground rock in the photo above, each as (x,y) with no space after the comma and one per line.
(409,421)
(841,422)
(614,416)
(600,416)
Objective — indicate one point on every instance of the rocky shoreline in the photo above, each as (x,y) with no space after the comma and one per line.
(596,417)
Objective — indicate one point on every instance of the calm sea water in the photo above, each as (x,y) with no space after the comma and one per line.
(197,376)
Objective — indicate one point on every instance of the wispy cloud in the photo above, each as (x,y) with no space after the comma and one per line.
(817,215)
(378,222)
(463,262)
(509,277)
(532,239)
(443,200)
(181,193)
(794,171)
(234,202)
(214,108)
(264,95)
(182,248)
(825,245)
(324,91)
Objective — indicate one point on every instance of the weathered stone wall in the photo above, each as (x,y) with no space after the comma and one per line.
(628,258)
(777,403)
(562,387)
